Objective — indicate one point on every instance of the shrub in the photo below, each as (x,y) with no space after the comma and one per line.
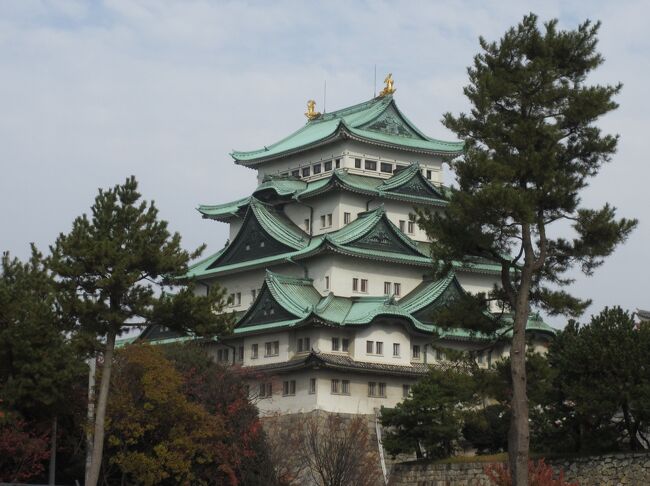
(539,474)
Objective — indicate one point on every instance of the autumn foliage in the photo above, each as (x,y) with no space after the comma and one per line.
(539,474)
(23,452)
(171,421)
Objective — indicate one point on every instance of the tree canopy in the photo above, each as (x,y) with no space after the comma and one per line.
(531,146)
(115,270)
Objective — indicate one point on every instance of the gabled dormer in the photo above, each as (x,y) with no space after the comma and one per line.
(410,182)
(265,232)
(373,231)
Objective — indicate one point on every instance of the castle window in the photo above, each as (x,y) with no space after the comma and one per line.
(387,288)
(306,171)
(357,163)
(335,344)
(372,389)
(479,357)
(382,390)
(329,219)
(327,282)
(312,386)
(327,166)
(406,390)
(317,168)
(386,168)
(355,285)
(336,386)
(338,163)
(364,285)
(439,355)
(289,387)
(266,390)
(262,244)
(396,350)
(402,225)
(254,351)
(379,347)
(369,347)
(254,293)
(307,346)
(371,165)
(326,220)
(238,298)
(345,345)
(429,174)
(346,218)
(295,173)
(300,345)
(411,226)
(416,351)
(345,387)
(240,351)
(272,348)
(397,289)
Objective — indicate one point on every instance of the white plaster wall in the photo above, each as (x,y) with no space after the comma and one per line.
(345,268)
(302,401)
(284,339)
(347,151)
(388,334)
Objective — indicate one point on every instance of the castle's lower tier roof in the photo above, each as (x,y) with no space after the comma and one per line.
(289,302)
(316,360)
(377,121)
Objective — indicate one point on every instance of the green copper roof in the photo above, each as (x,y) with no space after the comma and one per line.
(223,211)
(406,185)
(371,236)
(286,302)
(377,121)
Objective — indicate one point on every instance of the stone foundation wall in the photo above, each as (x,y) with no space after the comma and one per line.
(605,470)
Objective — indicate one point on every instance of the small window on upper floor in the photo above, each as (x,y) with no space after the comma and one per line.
(355,285)
(327,282)
(402,225)
(335,344)
(387,287)
(238,298)
(357,163)
(370,165)
(338,163)
(406,390)
(306,171)
(346,218)
(386,167)
(396,350)
(317,168)
(379,348)
(416,351)
(329,219)
(345,345)
(295,173)
(364,285)
(411,227)
(397,289)
(327,166)
(429,174)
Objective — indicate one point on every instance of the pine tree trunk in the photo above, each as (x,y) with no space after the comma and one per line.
(100,414)
(519,435)
(52,469)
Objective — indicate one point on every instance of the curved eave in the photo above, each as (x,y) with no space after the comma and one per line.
(344,132)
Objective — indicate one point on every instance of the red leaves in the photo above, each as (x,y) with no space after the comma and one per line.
(539,474)
(23,452)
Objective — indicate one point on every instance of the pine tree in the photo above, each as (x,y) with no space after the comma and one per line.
(115,269)
(531,146)
(38,363)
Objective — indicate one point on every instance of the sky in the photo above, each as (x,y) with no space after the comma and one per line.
(92,92)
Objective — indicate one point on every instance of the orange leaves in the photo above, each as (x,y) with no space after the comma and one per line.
(539,474)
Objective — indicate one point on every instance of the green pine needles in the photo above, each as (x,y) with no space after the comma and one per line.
(531,146)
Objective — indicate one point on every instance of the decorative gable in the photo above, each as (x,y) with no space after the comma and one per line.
(265,310)
(417,186)
(453,291)
(383,237)
(391,122)
(251,243)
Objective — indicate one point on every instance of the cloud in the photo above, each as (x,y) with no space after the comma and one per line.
(95,91)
